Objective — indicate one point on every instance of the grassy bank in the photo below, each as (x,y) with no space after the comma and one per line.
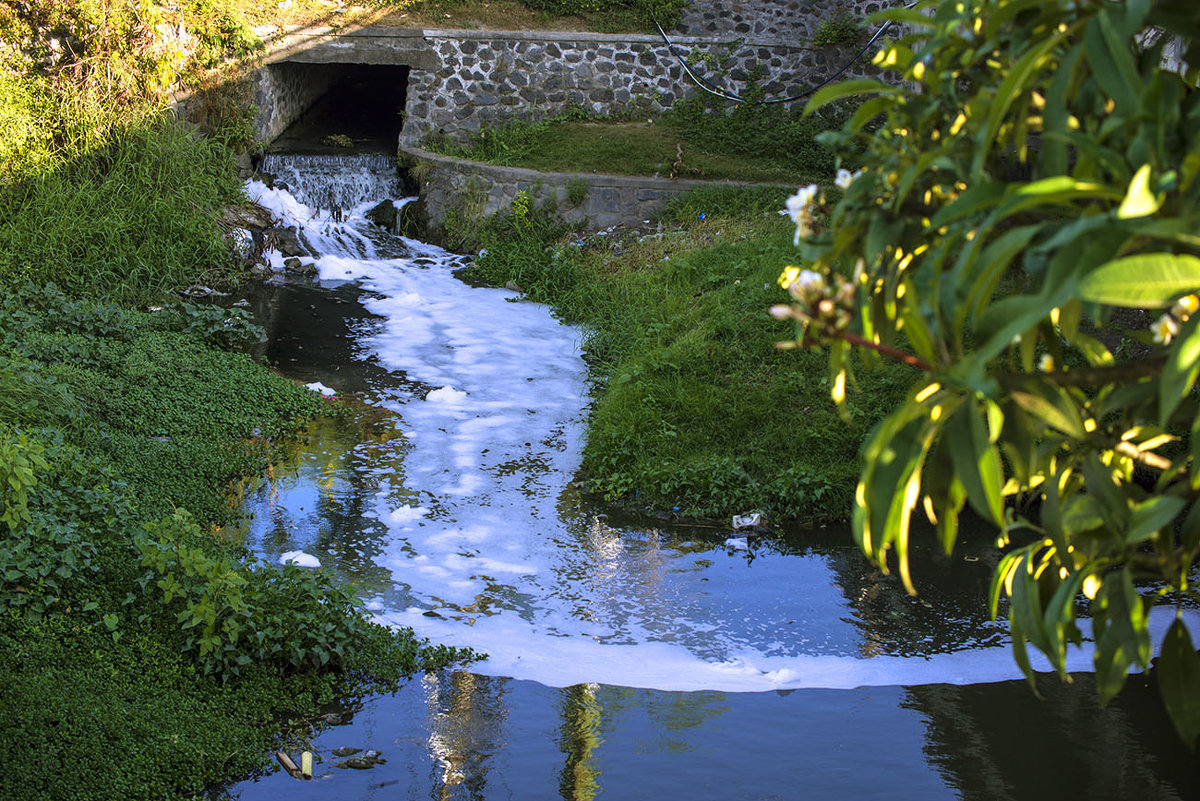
(695,408)
(142,656)
(697,138)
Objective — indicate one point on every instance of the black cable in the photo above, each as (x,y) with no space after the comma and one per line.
(713,89)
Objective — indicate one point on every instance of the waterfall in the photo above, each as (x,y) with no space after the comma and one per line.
(342,181)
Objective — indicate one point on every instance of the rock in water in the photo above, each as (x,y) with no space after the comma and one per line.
(385,215)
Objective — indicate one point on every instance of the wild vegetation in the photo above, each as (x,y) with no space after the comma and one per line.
(141,655)
(699,137)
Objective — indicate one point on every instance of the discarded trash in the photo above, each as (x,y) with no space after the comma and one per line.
(737,544)
(299,559)
(288,764)
(748,520)
(306,761)
(317,386)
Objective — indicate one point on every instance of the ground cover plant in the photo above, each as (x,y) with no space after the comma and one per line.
(689,384)
(124,620)
(141,655)
(1036,185)
(515,15)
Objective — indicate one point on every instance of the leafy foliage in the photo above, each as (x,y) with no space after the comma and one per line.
(235,611)
(839,28)
(1037,170)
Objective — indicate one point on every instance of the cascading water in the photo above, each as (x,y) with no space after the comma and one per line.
(459,517)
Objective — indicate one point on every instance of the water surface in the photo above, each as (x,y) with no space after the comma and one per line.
(630,657)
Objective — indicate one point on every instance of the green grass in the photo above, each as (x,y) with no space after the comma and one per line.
(694,139)
(141,656)
(695,408)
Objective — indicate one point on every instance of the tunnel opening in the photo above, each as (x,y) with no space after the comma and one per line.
(340,108)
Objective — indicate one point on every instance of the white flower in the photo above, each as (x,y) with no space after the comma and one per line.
(1046,363)
(809,279)
(844,179)
(1165,329)
(799,209)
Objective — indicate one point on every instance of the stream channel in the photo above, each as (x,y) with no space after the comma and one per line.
(629,658)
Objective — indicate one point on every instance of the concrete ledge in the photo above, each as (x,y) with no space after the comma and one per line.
(477,189)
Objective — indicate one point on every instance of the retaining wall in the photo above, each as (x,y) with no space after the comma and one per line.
(481,190)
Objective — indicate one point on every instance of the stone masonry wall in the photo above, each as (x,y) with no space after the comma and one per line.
(786,21)
(287,90)
(486,78)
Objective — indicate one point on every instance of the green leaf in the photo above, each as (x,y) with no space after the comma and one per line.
(1139,200)
(1111,63)
(1151,515)
(1119,627)
(976,462)
(1181,370)
(1007,93)
(1058,413)
(978,197)
(843,89)
(1146,281)
(1010,562)
(1058,621)
(1178,673)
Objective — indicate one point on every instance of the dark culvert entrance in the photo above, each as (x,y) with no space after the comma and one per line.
(363,105)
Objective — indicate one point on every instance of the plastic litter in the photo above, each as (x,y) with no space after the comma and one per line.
(748,520)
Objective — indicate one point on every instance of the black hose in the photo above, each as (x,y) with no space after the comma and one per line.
(713,89)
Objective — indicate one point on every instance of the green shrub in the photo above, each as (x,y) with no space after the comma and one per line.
(838,29)
(238,611)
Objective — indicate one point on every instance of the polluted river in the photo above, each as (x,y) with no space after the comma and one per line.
(628,658)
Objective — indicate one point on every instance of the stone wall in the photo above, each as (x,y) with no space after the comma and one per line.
(463,80)
(286,90)
(779,21)
(486,78)
(480,190)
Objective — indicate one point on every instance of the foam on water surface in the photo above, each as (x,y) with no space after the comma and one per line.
(477,538)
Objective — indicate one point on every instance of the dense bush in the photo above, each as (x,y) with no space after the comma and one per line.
(753,129)
(1036,181)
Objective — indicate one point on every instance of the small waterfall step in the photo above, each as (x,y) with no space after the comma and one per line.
(342,181)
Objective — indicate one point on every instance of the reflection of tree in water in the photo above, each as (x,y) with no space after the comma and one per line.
(997,742)
(467,716)
(589,710)
(579,736)
(949,613)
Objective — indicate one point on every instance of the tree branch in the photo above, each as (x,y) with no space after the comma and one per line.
(887,350)
(1089,377)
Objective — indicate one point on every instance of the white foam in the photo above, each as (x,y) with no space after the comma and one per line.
(300,559)
(407,515)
